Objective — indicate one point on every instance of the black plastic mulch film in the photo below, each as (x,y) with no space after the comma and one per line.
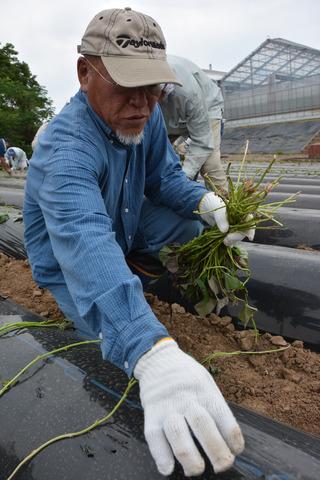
(70,391)
(11,233)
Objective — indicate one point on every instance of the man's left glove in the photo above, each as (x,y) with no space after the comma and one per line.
(215,213)
(179,396)
(233,238)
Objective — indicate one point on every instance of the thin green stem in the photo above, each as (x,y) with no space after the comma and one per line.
(214,355)
(65,436)
(13,380)
(10,327)
(267,170)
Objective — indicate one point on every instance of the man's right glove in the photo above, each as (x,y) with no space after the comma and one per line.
(213,210)
(179,396)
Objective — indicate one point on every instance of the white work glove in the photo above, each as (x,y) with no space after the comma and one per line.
(233,238)
(215,213)
(178,395)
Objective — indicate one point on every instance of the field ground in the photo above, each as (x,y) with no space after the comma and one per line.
(284,386)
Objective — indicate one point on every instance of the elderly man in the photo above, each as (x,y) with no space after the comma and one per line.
(103,182)
(193,110)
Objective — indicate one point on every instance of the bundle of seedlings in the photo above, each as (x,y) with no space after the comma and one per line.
(211,274)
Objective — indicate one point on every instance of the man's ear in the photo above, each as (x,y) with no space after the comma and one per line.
(83,73)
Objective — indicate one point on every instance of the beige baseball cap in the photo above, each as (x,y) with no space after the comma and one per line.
(131,46)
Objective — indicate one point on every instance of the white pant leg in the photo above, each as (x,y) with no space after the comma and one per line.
(213,165)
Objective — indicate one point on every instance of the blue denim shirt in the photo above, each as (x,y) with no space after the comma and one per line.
(83,197)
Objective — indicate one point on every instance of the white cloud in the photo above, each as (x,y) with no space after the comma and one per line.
(45,33)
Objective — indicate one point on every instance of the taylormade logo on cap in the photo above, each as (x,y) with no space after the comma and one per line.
(124,40)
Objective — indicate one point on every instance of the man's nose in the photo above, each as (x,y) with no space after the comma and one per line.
(138,97)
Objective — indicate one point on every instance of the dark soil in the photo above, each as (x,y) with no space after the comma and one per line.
(282,385)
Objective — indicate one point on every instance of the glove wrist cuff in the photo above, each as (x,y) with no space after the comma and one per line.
(165,344)
(165,339)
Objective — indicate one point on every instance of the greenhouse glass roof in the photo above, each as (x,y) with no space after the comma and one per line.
(274,60)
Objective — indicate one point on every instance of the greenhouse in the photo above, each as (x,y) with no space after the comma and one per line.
(279,81)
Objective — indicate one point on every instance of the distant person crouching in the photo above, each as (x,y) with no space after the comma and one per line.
(17,159)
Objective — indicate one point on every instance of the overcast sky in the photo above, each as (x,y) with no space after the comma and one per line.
(45,33)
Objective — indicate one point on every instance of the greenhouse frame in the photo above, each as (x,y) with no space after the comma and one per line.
(279,81)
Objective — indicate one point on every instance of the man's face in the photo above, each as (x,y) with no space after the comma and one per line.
(125,110)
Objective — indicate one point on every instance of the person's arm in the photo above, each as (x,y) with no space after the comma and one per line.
(201,141)
(216,101)
(107,295)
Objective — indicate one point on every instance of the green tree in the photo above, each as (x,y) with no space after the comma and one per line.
(24,104)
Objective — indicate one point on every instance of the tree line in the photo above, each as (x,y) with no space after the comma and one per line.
(24,104)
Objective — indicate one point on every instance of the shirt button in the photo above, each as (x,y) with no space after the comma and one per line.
(129,237)
(126,180)
(126,210)
(126,365)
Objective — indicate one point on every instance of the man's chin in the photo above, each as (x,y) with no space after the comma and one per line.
(130,138)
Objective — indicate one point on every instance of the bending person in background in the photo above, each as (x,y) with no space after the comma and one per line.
(103,183)
(194,111)
(3,162)
(17,159)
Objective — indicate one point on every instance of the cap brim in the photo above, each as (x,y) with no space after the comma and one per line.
(133,72)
